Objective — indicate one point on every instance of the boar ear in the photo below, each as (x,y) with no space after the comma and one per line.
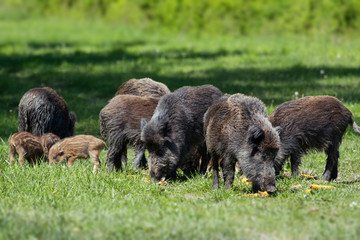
(255,136)
(143,123)
(278,129)
(60,150)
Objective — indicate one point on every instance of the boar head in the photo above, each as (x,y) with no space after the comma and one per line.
(163,157)
(258,165)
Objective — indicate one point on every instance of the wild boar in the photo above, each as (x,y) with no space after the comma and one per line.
(143,87)
(237,129)
(314,122)
(79,146)
(42,110)
(120,124)
(26,145)
(47,140)
(176,128)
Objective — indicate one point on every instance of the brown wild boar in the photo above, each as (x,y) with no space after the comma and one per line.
(120,125)
(314,122)
(143,87)
(42,110)
(79,146)
(47,140)
(237,130)
(26,145)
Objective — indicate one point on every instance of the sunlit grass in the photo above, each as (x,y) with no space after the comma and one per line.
(86,62)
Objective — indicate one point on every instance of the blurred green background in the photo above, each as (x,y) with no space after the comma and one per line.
(212,16)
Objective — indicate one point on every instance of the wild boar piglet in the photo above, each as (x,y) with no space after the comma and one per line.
(47,140)
(26,145)
(79,146)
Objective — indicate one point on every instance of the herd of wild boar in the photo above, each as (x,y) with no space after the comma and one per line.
(192,129)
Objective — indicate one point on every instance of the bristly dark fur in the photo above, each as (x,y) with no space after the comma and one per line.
(315,122)
(42,110)
(26,145)
(176,128)
(237,130)
(120,124)
(144,87)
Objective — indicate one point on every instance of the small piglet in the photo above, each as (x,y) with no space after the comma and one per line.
(80,146)
(47,140)
(314,122)
(26,145)
(237,130)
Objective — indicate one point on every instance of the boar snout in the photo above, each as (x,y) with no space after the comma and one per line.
(270,189)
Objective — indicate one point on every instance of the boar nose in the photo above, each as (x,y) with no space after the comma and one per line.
(270,189)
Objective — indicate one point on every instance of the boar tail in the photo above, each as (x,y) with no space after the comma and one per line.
(105,145)
(356,127)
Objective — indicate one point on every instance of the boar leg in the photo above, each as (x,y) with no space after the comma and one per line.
(331,169)
(22,154)
(114,159)
(95,158)
(204,160)
(71,161)
(295,160)
(140,160)
(124,159)
(215,166)
(229,171)
(12,154)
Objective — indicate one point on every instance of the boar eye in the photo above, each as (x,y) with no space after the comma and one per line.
(160,152)
(254,151)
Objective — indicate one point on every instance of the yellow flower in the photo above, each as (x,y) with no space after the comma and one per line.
(316,187)
(246,180)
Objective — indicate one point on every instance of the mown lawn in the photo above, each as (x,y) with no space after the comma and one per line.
(85,62)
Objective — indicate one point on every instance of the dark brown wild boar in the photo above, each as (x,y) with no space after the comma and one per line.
(120,125)
(143,87)
(26,145)
(42,110)
(79,146)
(47,140)
(315,122)
(176,128)
(237,130)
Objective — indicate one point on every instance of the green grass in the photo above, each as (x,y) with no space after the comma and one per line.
(85,62)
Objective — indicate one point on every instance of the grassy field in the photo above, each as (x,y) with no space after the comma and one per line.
(85,62)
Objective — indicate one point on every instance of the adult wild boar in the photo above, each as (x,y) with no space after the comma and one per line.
(237,130)
(314,122)
(47,140)
(144,87)
(176,128)
(79,146)
(26,145)
(120,124)
(42,110)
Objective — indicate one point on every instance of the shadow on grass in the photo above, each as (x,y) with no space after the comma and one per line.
(87,92)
